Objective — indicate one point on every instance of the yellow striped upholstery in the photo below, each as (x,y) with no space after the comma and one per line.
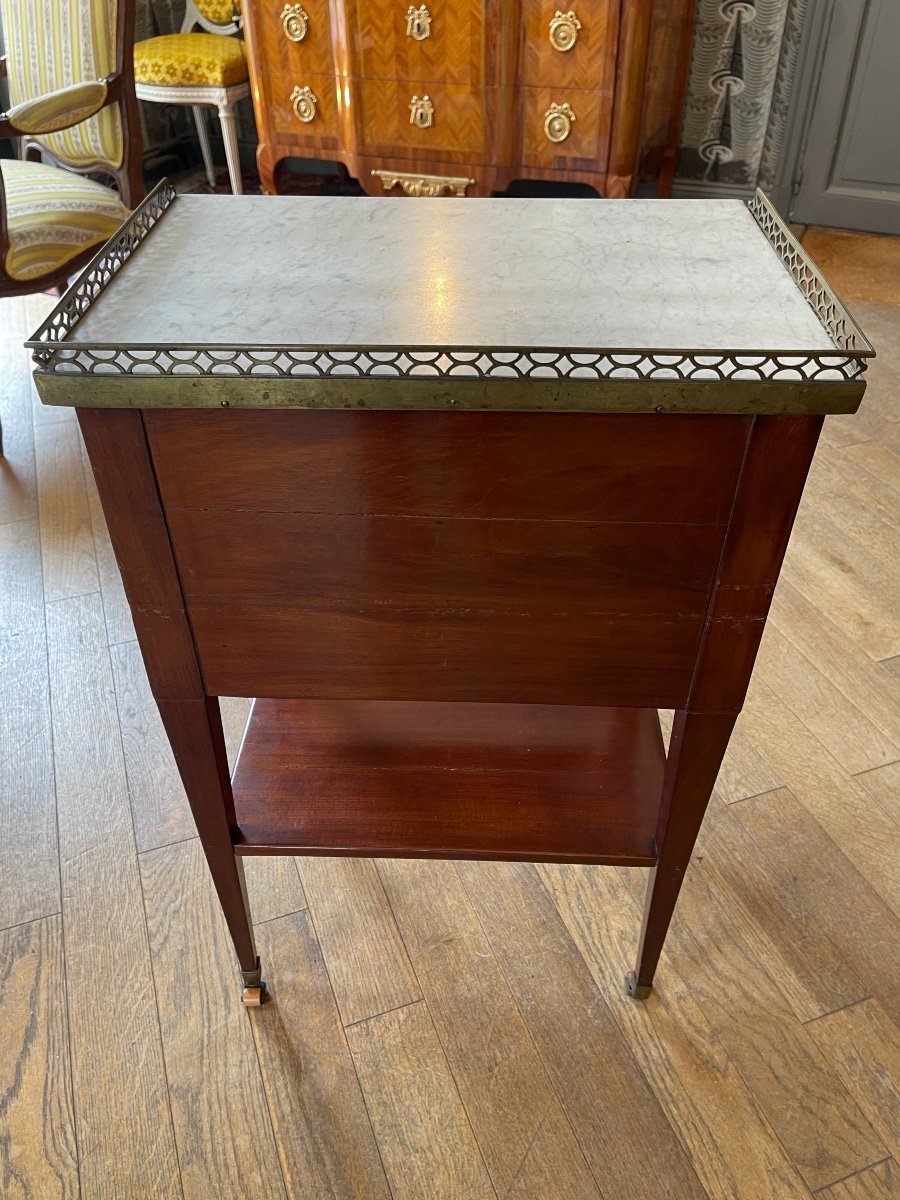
(52,215)
(59,109)
(51,44)
(190,60)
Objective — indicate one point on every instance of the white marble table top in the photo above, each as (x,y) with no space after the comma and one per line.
(350,272)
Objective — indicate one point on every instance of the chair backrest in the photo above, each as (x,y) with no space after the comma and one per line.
(215,16)
(53,43)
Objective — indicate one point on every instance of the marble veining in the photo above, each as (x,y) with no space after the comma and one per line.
(561,274)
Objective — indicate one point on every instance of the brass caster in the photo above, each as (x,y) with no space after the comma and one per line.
(637,991)
(254,991)
(253,997)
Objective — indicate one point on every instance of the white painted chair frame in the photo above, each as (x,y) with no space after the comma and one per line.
(223,98)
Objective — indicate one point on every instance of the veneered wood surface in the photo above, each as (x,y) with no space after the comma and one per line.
(274,51)
(522,466)
(460,128)
(447,781)
(323,132)
(591,62)
(461,39)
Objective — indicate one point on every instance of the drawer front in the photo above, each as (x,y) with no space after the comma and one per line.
(457,116)
(588,29)
(292,36)
(443,40)
(282,96)
(563,128)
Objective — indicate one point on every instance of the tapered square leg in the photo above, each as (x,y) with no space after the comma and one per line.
(696,750)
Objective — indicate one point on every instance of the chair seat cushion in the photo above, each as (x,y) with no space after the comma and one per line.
(53,215)
(190,60)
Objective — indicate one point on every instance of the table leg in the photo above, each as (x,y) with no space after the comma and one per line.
(194,728)
(696,750)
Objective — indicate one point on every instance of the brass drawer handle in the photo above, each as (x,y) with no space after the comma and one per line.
(558,122)
(418,22)
(304,104)
(421,112)
(295,22)
(564,30)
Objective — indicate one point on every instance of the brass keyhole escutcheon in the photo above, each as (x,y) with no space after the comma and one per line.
(294,22)
(304,104)
(421,112)
(418,22)
(564,30)
(558,121)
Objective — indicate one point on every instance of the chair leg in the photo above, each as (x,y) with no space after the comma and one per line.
(232,154)
(203,135)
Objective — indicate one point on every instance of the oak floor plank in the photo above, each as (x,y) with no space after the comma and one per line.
(725,1055)
(824,900)
(865,684)
(841,805)
(117,614)
(604,1093)
(67,539)
(745,771)
(526,1141)
(37,1143)
(862,509)
(851,733)
(124,1130)
(222,1127)
(159,806)
(883,785)
(366,959)
(838,575)
(881,1182)
(863,1043)
(878,461)
(18,481)
(423,1134)
(29,865)
(321,1125)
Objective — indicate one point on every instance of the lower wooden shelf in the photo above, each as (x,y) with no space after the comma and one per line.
(535,783)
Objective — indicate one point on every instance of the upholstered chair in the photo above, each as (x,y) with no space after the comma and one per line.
(199,68)
(69,69)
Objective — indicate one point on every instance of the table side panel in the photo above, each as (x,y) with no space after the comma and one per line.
(448,557)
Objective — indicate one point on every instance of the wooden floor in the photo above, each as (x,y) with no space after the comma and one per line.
(442,1031)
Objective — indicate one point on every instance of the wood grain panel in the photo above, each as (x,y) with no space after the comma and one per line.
(321,1126)
(459,128)
(18,483)
(124,1128)
(587,146)
(275,90)
(527,1142)
(578,1039)
(117,446)
(525,466)
(881,1182)
(38,1156)
(448,781)
(425,1140)
(454,52)
(312,55)
(591,62)
(501,657)
(222,1127)
(420,563)
(117,614)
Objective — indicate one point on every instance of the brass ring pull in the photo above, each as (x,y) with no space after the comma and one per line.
(421,112)
(418,22)
(294,22)
(558,122)
(304,104)
(564,30)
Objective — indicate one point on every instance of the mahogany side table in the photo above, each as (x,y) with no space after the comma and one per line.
(463,491)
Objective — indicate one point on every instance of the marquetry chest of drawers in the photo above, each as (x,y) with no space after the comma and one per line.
(463,97)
